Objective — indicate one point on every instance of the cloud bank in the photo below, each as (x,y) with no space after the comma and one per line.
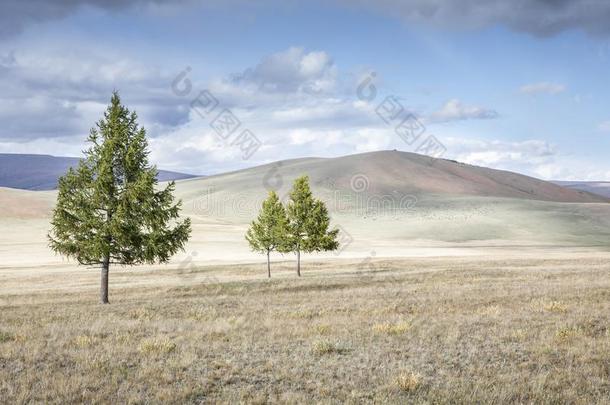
(536,17)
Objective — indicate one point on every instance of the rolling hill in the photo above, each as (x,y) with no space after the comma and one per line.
(386,172)
(396,202)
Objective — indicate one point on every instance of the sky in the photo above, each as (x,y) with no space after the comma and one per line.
(223,85)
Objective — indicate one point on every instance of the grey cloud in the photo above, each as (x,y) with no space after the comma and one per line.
(537,17)
(45,96)
(16,15)
(37,117)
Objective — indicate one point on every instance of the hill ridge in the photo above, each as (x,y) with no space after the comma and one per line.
(29,171)
(392,170)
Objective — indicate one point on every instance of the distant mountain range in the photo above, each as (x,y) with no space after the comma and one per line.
(41,172)
(596,187)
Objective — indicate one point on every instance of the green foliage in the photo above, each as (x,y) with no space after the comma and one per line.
(308,221)
(109,208)
(268,232)
(301,227)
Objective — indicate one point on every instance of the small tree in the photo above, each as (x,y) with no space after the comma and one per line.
(268,232)
(109,210)
(308,223)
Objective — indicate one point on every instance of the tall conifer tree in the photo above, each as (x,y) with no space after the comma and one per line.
(109,209)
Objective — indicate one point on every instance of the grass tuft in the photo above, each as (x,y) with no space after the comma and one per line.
(84,341)
(542,305)
(407,381)
(555,306)
(142,314)
(489,310)
(567,335)
(157,345)
(6,337)
(325,346)
(203,314)
(304,314)
(392,328)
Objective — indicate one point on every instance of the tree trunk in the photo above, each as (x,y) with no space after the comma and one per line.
(104,285)
(268,266)
(299,263)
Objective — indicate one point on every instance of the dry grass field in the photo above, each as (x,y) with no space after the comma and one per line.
(433,330)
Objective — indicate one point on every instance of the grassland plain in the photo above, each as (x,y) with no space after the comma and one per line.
(428,330)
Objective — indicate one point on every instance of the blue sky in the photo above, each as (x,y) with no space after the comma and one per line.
(512,85)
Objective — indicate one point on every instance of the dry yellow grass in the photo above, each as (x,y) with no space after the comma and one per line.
(392,328)
(409,331)
(408,381)
(325,346)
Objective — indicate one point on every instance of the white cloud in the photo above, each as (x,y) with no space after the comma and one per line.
(289,100)
(533,157)
(455,110)
(302,136)
(529,156)
(542,88)
(604,126)
(489,152)
(291,71)
(292,100)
